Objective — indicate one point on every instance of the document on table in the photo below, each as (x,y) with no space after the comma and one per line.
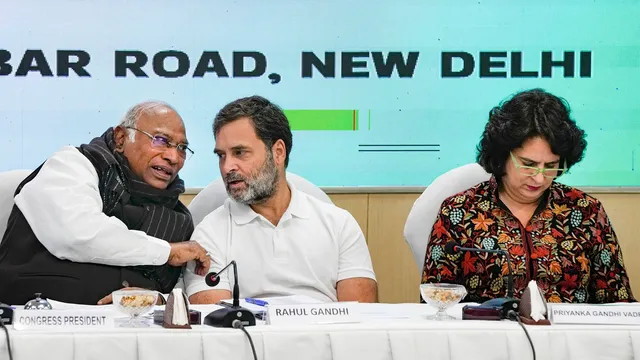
(404,311)
(275,300)
(60,305)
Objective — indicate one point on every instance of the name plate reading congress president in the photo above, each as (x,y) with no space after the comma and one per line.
(62,319)
(299,314)
(618,314)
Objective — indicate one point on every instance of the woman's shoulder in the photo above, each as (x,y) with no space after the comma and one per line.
(476,193)
(566,200)
(571,196)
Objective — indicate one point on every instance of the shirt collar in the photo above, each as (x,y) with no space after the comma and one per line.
(298,207)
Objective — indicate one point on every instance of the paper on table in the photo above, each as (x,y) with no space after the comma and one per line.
(538,305)
(275,300)
(405,311)
(391,311)
(180,316)
(60,305)
(290,300)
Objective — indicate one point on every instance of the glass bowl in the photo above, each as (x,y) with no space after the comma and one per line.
(442,296)
(134,303)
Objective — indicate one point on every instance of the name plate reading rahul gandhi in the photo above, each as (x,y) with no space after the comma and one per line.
(623,314)
(301,314)
(62,319)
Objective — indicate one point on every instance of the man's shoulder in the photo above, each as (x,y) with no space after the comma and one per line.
(71,156)
(323,209)
(216,218)
(69,162)
(68,151)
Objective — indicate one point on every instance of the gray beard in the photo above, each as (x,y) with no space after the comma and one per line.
(261,186)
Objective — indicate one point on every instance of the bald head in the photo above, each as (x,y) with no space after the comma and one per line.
(148,136)
(146,109)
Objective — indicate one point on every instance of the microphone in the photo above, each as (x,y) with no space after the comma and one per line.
(230,314)
(6,314)
(212,279)
(504,305)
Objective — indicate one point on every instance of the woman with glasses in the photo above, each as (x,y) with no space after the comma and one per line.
(554,234)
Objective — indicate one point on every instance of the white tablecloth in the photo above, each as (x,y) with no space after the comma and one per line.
(376,338)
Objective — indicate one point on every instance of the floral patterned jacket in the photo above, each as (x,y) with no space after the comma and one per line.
(569,247)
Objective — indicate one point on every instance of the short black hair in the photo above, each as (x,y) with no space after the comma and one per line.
(269,121)
(529,114)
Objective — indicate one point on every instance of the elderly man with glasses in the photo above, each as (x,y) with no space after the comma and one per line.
(103,216)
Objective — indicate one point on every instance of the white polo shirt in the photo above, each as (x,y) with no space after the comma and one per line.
(314,246)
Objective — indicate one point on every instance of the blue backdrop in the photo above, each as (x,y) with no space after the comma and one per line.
(354,121)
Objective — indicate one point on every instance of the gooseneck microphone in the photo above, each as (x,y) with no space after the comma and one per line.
(505,304)
(213,278)
(230,314)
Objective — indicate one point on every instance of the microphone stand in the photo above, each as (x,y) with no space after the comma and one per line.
(508,303)
(6,314)
(229,314)
(503,305)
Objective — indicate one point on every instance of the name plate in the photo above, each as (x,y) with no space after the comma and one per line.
(301,314)
(594,314)
(59,319)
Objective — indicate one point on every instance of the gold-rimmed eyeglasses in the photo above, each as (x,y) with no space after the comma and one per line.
(159,141)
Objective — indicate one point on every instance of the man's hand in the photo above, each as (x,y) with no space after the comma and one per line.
(183,252)
(109,298)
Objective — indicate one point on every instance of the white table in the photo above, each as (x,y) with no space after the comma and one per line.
(376,338)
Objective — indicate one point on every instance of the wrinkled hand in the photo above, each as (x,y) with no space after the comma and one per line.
(109,298)
(190,250)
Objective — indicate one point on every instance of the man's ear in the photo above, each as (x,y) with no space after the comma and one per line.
(119,137)
(279,150)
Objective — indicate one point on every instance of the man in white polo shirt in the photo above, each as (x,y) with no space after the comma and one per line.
(284,241)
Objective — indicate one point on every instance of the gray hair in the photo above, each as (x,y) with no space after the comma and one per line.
(131,117)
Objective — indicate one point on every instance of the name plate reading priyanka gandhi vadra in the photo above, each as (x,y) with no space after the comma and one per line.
(618,314)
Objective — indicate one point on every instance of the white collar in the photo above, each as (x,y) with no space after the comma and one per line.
(298,207)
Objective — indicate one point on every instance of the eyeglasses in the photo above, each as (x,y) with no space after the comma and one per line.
(533,171)
(159,141)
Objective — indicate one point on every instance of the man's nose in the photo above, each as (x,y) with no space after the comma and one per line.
(227,166)
(171,155)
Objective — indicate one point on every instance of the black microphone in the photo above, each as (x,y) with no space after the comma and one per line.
(6,314)
(213,278)
(229,314)
(505,304)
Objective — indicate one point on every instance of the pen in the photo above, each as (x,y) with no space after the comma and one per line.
(256,302)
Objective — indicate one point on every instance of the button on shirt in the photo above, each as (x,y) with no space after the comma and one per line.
(314,246)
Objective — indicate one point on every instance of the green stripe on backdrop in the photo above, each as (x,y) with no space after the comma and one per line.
(323,119)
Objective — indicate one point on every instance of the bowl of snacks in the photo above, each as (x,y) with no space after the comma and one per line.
(442,296)
(135,302)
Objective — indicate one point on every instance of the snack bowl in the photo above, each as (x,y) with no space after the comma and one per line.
(442,296)
(134,302)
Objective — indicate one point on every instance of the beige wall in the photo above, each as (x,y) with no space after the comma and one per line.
(382,217)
